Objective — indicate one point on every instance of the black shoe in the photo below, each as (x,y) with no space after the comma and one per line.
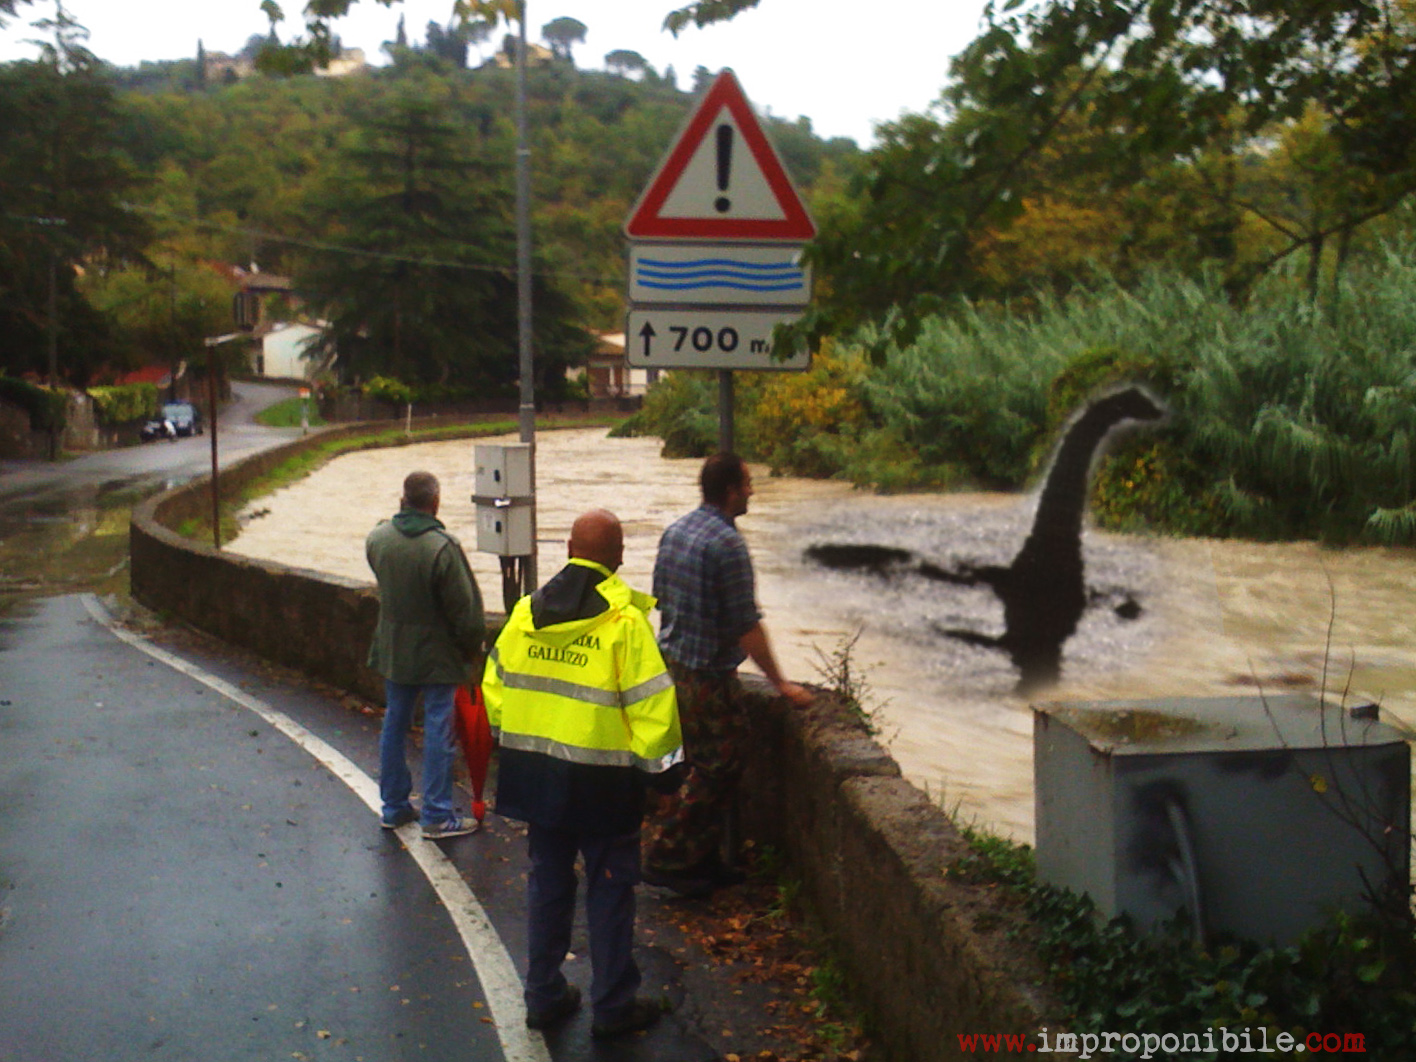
(641,1014)
(557,1012)
(686,885)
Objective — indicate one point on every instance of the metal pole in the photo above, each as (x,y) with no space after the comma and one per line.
(53,312)
(211,419)
(725,410)
(527,411)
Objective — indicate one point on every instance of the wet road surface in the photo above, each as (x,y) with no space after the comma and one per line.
(191,867)
(179,881)
(64,524)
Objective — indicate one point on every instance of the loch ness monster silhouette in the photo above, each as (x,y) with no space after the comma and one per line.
(1043,590)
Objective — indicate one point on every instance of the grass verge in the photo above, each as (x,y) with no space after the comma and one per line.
(321,451)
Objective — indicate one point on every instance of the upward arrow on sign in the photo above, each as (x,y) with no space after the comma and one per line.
(722,180)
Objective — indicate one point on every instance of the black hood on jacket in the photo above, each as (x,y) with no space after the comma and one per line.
(569,596)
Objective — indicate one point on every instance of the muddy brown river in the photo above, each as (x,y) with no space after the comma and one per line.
(1216,617)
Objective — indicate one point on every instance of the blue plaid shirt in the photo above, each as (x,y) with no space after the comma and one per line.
(703,580)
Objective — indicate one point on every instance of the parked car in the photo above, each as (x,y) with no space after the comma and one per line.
(173,420)
(185,417)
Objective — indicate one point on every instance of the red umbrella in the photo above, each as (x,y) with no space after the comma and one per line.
(475,733)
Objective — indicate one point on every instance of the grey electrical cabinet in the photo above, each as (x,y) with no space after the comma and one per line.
(502,496)
(1256,815)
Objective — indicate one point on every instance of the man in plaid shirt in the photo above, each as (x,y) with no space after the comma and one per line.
(707,593)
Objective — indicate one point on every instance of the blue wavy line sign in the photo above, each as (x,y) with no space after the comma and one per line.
(719,275)
(708,273)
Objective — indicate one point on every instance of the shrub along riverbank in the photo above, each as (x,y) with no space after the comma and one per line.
(1287,420)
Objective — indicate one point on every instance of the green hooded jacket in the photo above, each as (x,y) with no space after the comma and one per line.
(431,625)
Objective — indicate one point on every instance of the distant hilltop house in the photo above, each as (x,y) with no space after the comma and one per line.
(349,61)
(536,55)
(218,66)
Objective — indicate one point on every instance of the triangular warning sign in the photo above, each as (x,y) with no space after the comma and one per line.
(722,180)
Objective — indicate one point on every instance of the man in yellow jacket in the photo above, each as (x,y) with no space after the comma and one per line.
(585,713)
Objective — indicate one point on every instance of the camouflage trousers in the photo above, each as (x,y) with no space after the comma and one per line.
(686,828)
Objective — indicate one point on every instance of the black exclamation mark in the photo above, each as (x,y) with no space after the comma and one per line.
(725,167)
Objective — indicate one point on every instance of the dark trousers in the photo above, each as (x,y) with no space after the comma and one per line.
(686,828)
(611,872)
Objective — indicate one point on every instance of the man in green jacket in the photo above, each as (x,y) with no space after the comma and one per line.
(428,639)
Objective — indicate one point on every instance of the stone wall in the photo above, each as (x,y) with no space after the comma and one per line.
(927,955)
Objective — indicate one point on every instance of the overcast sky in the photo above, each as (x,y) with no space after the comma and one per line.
(828,61)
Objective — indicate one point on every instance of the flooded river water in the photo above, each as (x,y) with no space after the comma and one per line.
(1216,617)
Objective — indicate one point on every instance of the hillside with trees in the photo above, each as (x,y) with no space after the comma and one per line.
(386,196)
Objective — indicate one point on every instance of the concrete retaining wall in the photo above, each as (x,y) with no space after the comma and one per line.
(926,954)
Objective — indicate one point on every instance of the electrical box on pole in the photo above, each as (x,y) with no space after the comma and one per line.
(503,499)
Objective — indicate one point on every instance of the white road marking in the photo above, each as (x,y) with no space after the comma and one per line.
(495,970)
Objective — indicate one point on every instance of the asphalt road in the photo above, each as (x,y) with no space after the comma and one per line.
(64,524)
(191,865)
(48,485)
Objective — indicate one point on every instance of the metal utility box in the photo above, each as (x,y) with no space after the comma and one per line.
(503,471)
(1257,815)
(503,497)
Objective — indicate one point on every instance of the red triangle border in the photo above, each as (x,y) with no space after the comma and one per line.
(647,223)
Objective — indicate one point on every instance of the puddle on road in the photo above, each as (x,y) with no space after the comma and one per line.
(66,542)
(1217,617)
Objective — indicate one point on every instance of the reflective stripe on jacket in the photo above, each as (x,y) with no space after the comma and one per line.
(582,702)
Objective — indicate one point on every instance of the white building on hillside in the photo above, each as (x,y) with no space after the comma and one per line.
(282,352)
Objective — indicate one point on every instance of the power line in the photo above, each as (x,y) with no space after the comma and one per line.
(335,248)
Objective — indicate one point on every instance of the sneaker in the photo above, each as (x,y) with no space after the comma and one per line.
(557,1012)
(685,884)
(640,1014)
(451,828)
(399,818)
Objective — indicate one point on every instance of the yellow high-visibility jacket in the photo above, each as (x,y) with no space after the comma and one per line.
(582,704)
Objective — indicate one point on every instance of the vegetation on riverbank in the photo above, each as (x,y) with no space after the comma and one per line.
(290,414)
(1350,976)
(1286,421)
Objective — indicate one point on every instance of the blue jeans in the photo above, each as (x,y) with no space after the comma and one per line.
(395,781)
(611,872)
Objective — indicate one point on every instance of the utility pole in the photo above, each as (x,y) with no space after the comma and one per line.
(527,410)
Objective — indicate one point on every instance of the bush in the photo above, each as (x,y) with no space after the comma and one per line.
(47,409)
(811,423)
(1350,975)
(1285,421)
(681,409)
(387,389)
(125,403)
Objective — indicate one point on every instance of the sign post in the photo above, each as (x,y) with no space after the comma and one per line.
(715,251)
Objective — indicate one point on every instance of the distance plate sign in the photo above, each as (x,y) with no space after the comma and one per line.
(707,339)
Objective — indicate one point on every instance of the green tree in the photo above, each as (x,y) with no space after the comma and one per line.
(421,284)
(562,34)
(705,13)
(64,182)
(624,62)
